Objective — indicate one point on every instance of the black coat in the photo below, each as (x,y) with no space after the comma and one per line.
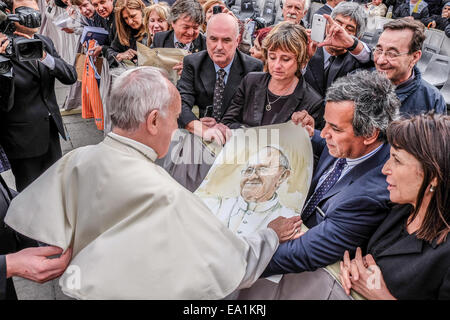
(341,66)
(324,10)
(116,48)
(29,104)
(411,268)
(165,39)
(403,11)
(247,107)
(10,242)
(196,85)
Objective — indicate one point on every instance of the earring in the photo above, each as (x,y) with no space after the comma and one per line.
(432,188)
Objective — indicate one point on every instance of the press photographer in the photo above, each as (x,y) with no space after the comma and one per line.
(29,115)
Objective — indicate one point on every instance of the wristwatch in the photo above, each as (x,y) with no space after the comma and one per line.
(354,45)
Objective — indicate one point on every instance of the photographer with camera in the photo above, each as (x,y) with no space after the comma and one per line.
(29,114)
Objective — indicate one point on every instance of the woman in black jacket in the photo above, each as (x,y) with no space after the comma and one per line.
(409,255)
(129,16)
(272,97)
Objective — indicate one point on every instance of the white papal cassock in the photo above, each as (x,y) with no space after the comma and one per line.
(135,232)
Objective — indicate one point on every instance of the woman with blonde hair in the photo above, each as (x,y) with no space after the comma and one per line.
(155,19)
(272,96)
(129,18)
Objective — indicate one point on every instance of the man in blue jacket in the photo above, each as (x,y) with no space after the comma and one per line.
(348,196)
(396,54)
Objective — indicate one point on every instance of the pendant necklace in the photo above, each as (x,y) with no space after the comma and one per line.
(269,104)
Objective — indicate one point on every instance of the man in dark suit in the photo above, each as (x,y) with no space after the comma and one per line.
(348,197)
(104,18)
(31,263)
(210,78)
(30,121)
(186,18)
(328,7)
(348,22)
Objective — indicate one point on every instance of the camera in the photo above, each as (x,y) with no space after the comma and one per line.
(19,48)
(217,9)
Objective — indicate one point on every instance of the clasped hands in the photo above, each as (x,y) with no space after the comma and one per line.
(214,131)
(363,275)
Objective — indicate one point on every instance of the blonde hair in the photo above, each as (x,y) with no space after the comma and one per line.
(123,29)
(163,11)
(288,37)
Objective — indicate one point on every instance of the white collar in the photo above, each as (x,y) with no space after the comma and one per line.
(263,207)
(146,150)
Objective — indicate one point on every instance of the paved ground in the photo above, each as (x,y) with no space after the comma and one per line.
(80,132)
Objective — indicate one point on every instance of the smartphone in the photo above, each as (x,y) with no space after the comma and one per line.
(217,9)
(319,24)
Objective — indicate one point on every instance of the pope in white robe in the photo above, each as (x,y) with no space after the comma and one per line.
(135,232)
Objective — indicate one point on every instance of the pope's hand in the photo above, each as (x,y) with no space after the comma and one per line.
(287,228)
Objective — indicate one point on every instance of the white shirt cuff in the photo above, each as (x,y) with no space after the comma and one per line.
(48,61)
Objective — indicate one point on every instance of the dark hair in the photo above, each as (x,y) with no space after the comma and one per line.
(191,8)
(374,97)
(415,26)
(427,138)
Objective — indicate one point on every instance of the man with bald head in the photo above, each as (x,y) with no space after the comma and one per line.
(209,78)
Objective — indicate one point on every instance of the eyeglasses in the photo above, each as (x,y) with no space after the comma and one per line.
(387,54)
(260,171)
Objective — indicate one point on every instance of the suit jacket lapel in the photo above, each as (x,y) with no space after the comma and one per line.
(260,100)
(208,75)
(317,70)
(335,67)
(324,162)
(379,157)
(32,68)
(169,42)
(408,245)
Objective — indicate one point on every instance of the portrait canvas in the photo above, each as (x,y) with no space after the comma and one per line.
(260,174)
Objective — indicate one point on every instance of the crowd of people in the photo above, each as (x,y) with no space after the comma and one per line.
(379,200)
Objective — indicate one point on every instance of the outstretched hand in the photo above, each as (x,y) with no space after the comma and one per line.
(364,276)
(336,35)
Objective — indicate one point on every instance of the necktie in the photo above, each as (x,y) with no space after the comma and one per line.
(326,185)
(179,45)
(218,94)
(327,71)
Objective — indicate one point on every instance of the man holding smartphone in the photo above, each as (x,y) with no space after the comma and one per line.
(341,52)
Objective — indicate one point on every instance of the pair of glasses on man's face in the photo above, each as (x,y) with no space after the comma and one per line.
(260,171)
(388,54)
